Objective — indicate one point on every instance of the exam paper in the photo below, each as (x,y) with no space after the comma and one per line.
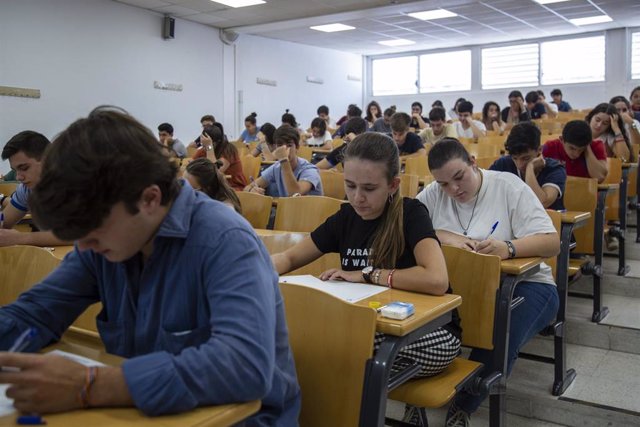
(346,291)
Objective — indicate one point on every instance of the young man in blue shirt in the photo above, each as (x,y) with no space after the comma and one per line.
(169,266)
(546,177)
(24,152)
(290,174)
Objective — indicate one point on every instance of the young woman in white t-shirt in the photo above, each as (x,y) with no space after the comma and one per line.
(320,136)
(464,203)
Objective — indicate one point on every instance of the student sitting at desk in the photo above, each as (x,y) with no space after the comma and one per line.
(250,132)
(383,239)
(266,145)
(204,175)
(216,148)
(169,266)
(578,152)
(607,126)
(439,128)
(464,203)
(24,152)
(320,136)
(291,174)
(546,177)
(354,127)
(409,143)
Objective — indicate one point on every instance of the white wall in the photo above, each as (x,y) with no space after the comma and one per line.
(83,53)
(579,95)
(289,64)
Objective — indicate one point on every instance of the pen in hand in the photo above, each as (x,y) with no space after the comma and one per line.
(493,228)
(23,340)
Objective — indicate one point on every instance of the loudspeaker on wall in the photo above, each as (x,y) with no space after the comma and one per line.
(169,28)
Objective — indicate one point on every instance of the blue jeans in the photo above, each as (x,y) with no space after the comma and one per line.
(538,310)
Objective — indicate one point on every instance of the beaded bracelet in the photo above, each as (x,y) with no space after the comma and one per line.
(85,393)
(390,278)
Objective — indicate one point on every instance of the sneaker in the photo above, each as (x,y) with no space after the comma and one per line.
(411,415)
(456,417)
(611,242)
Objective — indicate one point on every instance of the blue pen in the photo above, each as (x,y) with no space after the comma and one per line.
(23,340)
(30,420)
(493,228)
(1,219)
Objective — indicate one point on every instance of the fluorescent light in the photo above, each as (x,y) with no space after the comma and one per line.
(239,3)
(549,1)
(332,28)
(430,15)
(591,20)
(397,42)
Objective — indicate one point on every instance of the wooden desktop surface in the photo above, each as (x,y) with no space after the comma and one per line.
(427,308)
(573,217)
(518,266)
(213,416)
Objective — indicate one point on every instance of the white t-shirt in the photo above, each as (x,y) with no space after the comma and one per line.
(468,133)
(319,141)
(510,201)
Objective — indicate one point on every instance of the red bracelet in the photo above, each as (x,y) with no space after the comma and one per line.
(85,393)
(390,279)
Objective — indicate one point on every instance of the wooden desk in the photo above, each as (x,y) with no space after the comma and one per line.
(213,416)
(519,266)
(265,232)
(59,251)
(324,151)
(431,312)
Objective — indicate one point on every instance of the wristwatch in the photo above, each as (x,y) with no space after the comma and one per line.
(366,273)
(511,248)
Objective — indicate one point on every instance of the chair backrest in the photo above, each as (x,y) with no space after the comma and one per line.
(7,188)
(191,151)
(256,208)
(238,144)
(304,213)
(476,278)
(276,243)
(332,184)
(337,142)
(331,341)
(250,167)
(22,267)
(409,184)
(305,152)
(581,194)
(556,219)
(614,176)
(485,150)
(486,162)
(416,166)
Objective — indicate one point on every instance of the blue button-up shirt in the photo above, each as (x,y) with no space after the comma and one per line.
(202,321)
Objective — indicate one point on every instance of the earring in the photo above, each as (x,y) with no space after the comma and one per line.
(390,198)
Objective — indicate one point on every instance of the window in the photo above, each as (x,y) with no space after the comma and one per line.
(635,56)
(572,61)
(446,71)
(395,76)
(510,66)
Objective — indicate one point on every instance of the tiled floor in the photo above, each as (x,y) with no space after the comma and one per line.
(623,311)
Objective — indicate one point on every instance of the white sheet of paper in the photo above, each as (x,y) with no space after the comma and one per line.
(6,404)
(346,291)
(78,359)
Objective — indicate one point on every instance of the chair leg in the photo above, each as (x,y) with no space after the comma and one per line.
(422,417)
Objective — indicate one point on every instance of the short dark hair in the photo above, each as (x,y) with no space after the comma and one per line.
(524,136)
(400,122)
(165,127)
(251,118)
(556,92)
(577,132)
(286,134)
(437,103)
(437,113)
(447,149)
(390,111)
(465,107)
(354,111)
(289,119)
(355,125)
(323,109)
(540,93)
(32,144)
(515,94)
(613,101)
(208,117)
(98,161)
(532,97)
(416,104)
(267,130)
(320,124)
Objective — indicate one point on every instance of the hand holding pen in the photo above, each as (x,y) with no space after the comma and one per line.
(493,247)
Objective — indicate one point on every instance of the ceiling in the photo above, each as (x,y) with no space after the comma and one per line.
(478,22)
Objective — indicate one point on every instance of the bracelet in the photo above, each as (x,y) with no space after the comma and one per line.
(85,393)
(390,279)
(376,276)
(286,159)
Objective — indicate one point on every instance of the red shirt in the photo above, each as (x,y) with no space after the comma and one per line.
(577,167)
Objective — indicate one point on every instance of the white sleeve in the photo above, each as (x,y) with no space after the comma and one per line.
(527,214)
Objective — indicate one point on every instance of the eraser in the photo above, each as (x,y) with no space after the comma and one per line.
(397,310)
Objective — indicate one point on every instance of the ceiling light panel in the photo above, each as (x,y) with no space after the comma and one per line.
(239,3)
(430,15)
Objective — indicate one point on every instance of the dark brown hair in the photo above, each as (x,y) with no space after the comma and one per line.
(213,182)
(96,162)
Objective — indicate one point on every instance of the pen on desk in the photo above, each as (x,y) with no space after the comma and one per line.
(1,219)
(30,420)
(23,340)
(493,228)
